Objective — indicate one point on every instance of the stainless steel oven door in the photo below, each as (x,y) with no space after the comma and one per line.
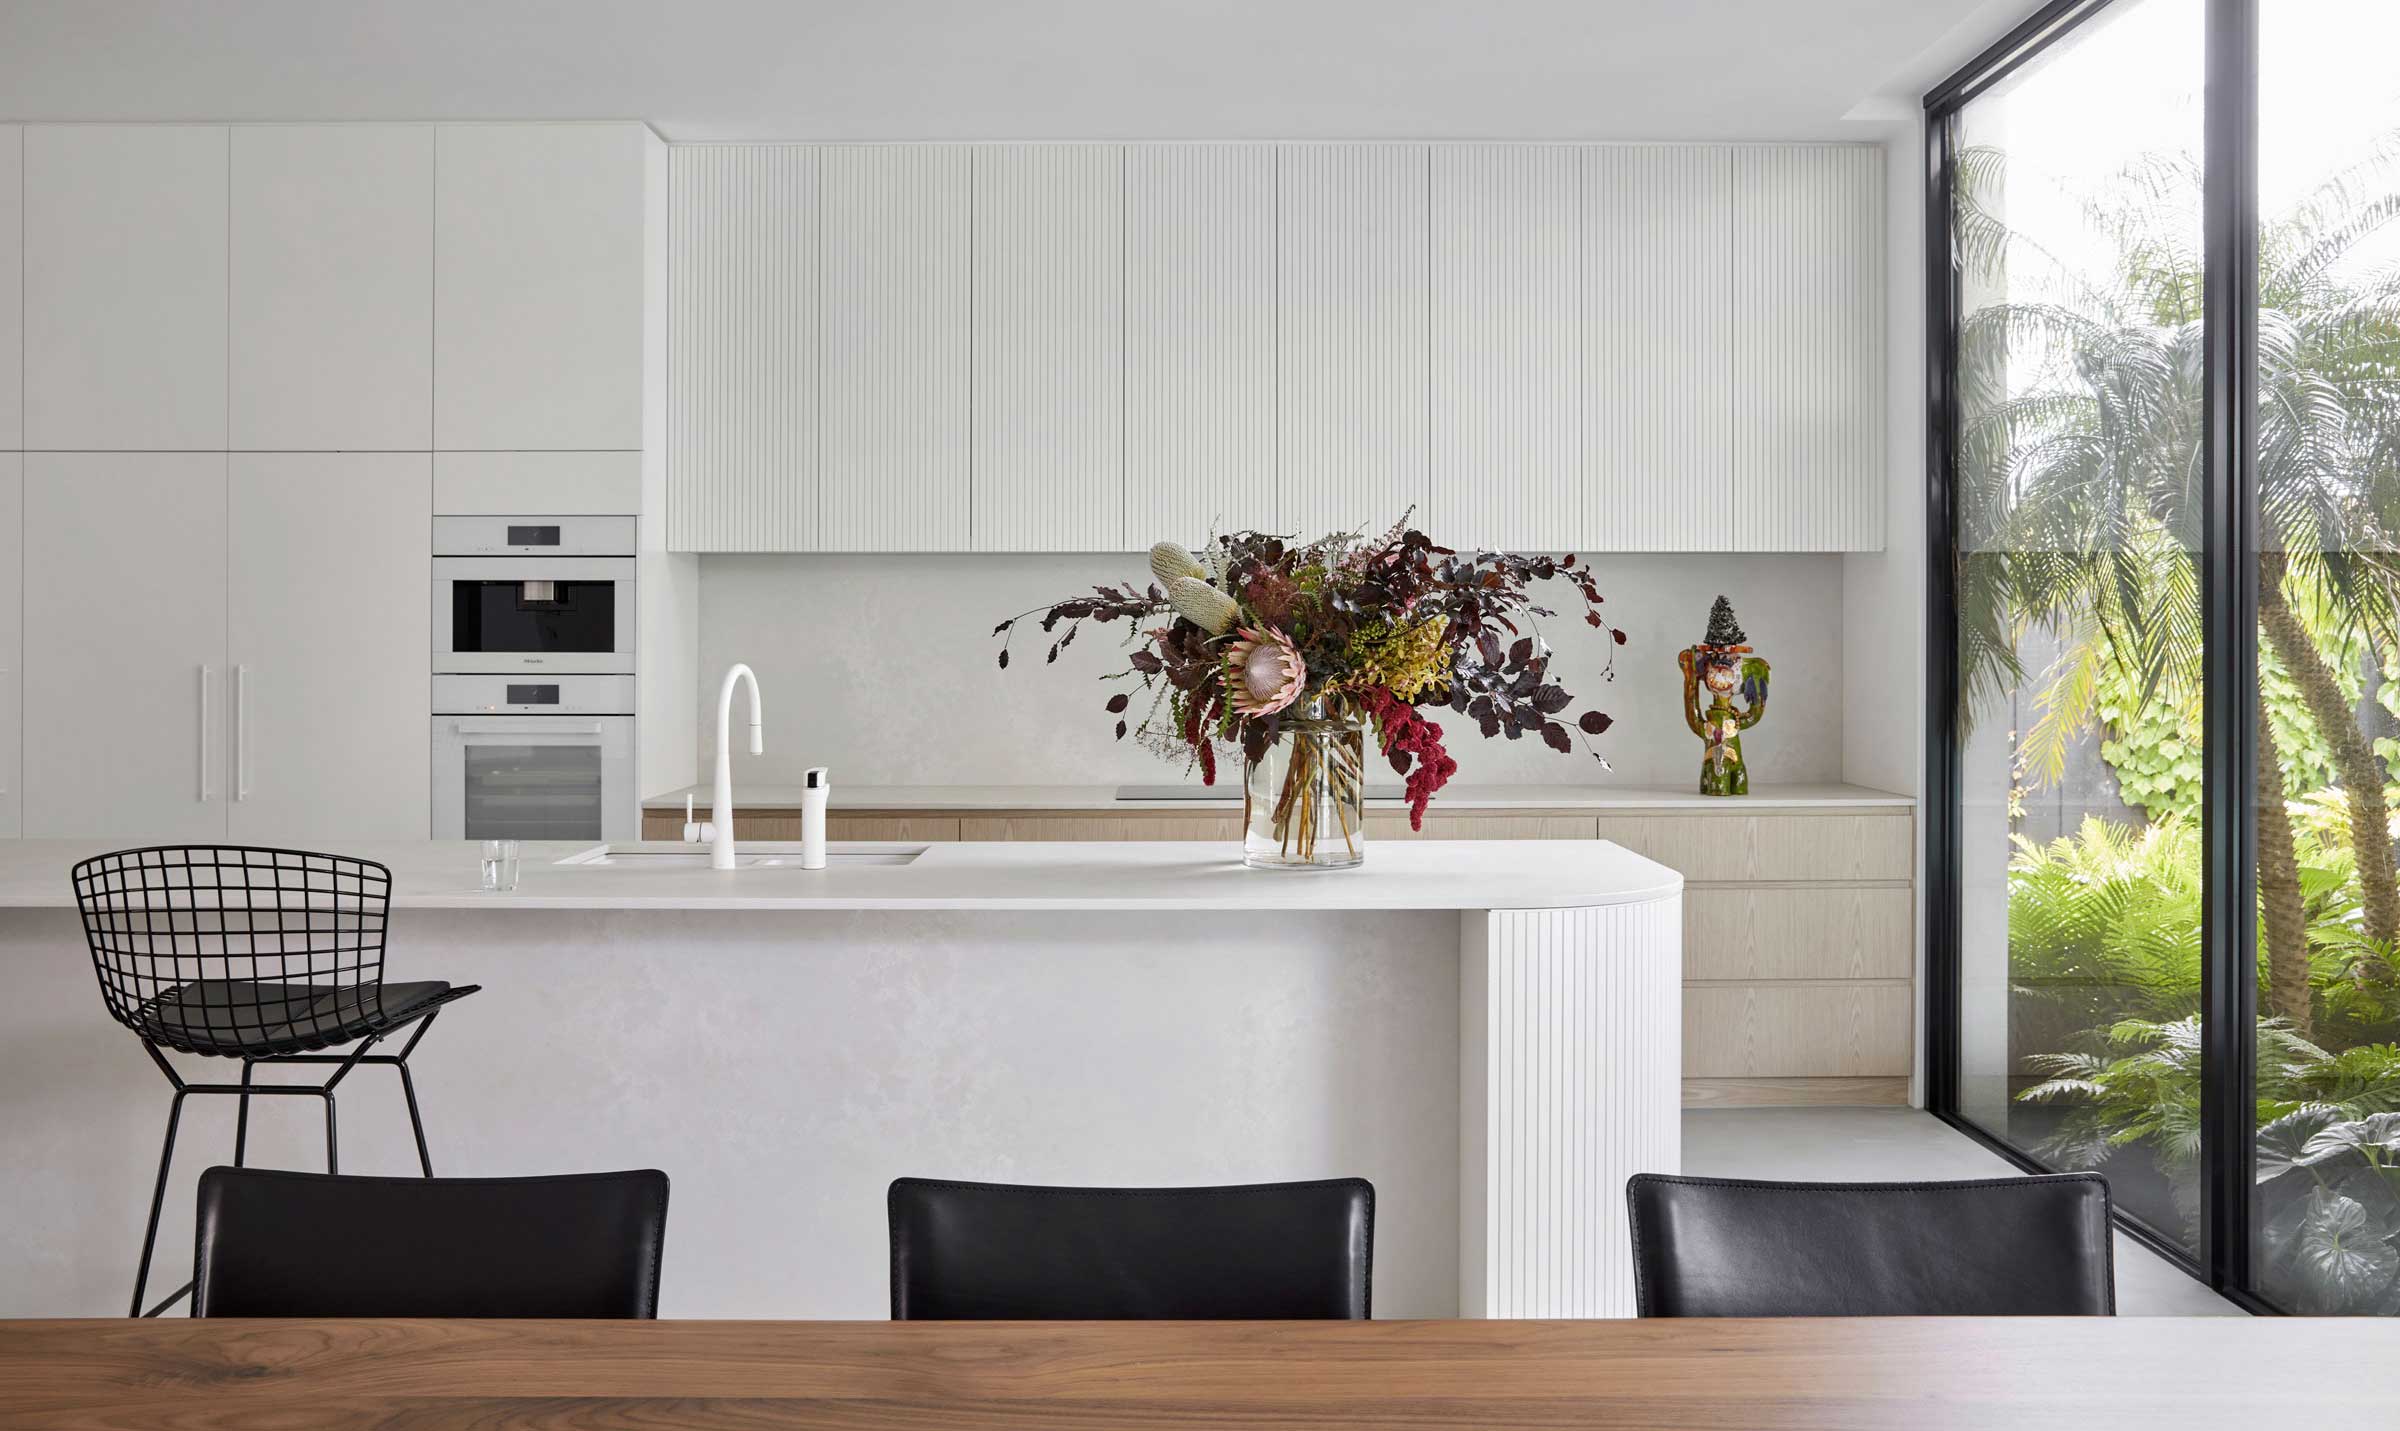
(534,778)
(533,615)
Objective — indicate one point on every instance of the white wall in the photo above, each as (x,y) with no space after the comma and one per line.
(883,667)
(1883,593)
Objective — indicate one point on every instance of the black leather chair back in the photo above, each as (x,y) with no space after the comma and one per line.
(278,1244)
(1267,1251)
(1995,1247)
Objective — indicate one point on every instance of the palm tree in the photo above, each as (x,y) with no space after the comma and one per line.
(2082,465)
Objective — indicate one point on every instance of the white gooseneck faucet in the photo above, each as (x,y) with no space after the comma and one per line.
(720,830)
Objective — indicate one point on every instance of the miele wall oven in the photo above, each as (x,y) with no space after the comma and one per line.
(517,758)
(535,595)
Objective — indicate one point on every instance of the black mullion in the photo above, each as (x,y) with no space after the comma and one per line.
(2229,661)
(1943,1009)
(2042,29)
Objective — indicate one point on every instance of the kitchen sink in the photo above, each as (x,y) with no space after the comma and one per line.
(749,855)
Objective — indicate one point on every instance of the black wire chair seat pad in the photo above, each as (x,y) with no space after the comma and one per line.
(249,1018)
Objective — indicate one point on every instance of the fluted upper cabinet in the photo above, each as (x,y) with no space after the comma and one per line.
(1090,347)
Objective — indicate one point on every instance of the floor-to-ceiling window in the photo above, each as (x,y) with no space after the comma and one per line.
(2166,269)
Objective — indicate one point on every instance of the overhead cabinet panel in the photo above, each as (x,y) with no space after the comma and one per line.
(1199,340)
(12,287)
(1808,369)
(1505,393)
(126,691)
(893,322)
(1351,335)
(332,300)
(1658,346)
(742,365)
(1049,395)
(538,286)
(124,286)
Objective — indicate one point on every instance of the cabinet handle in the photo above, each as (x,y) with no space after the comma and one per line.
(207,735)
(241,732)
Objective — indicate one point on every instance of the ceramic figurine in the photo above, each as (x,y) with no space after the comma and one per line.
(1712,672)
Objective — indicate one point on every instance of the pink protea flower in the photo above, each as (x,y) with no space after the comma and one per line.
(1263,672)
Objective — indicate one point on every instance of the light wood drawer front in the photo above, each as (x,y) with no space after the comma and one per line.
(785,825)
(1769,847)
(1481,827)
(1799,932)
(1797,1030)
(1102,827)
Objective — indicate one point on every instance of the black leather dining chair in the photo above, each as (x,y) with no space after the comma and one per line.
(1993,1247)
(1265,1251)
(283,1244)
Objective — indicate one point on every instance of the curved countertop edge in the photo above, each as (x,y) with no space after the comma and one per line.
(1455,800)
(1131,876)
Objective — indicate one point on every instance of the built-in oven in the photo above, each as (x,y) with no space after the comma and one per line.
(537,595)
(534,758)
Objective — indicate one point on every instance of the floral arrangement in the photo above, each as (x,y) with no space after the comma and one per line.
(1256,635)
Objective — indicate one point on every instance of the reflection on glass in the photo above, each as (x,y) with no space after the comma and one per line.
(533,792)
(2327,1209)
(2078,227)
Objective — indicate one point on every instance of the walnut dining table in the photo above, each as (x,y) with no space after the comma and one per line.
(2190,1374)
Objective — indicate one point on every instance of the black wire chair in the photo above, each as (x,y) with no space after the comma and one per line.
(265,955)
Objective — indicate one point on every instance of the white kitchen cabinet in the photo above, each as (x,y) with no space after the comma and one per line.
(1808,362)
(1505,388)
(327,634)
(125,283)
(12,644)
(1199,340)
(742,373)
(538,286)
(893,327)
(12,287)
(332,291)
(125,679)
(1658,340)
(1351,335)
(1049,343)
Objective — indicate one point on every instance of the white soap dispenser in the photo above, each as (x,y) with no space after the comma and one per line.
(815,789)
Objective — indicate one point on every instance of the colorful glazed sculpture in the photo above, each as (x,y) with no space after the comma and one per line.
(1712,672)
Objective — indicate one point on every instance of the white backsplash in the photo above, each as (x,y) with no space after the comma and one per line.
(884,668)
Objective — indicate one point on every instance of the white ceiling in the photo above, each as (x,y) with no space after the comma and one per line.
(958,69)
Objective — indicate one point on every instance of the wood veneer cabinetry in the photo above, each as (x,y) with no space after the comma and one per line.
(1799,935)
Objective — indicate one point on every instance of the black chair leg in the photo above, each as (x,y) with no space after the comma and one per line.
(408,1090)
(241,1119)
(333,1157)
(158,1200)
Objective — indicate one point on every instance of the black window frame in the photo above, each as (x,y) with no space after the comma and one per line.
(2229,614)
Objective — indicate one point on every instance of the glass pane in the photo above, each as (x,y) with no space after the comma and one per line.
(2327,1236)
(503,616)
(533,792)
(2078,226)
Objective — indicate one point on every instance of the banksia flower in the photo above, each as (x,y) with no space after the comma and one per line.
(1169,560)
(1203,605)
(1263,672)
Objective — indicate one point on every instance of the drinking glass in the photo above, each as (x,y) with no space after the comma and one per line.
(499,866)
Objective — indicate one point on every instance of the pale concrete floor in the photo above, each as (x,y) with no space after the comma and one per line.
(1890,1144)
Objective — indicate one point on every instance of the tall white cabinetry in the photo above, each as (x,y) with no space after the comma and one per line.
(125,287)
(125,679)
(332,306)
(328,555)
(12,288)
(12,643)
(539,287)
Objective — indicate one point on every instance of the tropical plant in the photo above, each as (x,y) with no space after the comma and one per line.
(2081,469)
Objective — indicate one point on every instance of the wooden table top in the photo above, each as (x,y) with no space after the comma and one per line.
(1923,1375)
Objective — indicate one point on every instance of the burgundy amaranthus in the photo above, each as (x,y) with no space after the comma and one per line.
(1410,740)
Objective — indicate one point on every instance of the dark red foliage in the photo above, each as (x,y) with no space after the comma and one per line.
(1414,745)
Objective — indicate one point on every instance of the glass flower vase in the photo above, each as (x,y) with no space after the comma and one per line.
(1304,800)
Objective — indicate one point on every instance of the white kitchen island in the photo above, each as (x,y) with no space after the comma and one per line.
(1489,1031)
